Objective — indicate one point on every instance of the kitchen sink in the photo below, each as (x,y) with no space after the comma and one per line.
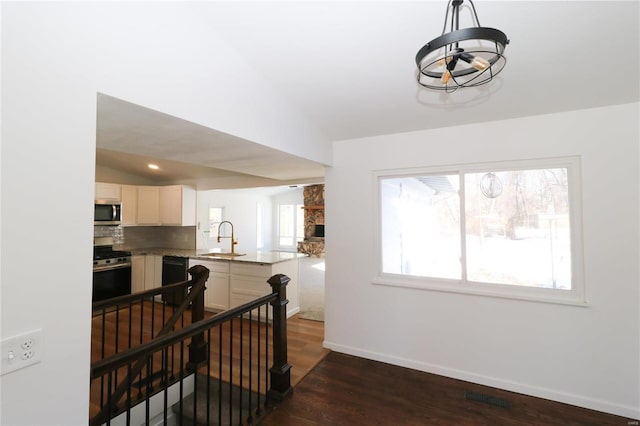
(223,254)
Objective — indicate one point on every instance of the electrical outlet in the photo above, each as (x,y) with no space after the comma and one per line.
(21,351)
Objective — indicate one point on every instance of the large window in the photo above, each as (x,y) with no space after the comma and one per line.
(290,225)
(507,229)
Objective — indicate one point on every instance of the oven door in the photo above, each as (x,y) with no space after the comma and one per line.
(111,281)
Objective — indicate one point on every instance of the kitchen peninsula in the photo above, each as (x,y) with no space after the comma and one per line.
(233,280)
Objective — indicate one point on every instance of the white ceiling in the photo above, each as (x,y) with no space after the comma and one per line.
(349,67)
(129,137)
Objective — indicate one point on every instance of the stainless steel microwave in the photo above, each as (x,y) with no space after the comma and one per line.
(107,212)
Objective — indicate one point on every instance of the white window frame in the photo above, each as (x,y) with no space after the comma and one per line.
(212,231)
(294,246)
(259,226)
(575,296)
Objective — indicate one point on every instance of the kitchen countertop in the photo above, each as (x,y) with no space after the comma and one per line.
(267,257)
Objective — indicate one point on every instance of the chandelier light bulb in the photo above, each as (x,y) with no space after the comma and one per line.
(480,63)
(446,76)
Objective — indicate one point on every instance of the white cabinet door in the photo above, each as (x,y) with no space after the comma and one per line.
(171,205)
(129,204)
(217,293)
(148,205)
(152,271)
(107,191)
(216,296)
(248,281)
(137,273)
(178,205)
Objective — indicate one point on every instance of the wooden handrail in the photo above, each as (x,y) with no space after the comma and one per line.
(120,359)
(147,294)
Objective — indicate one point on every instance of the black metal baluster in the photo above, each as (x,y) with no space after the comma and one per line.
(220,350)
(109,406)
(231,372)
(241,356)
(141,341)
(195,397)
(258,409)
(153,335)
(208,418)
(266,356)
(181,375)
(116,341)
(173,355)
(250,418)
(165,372)
(147,404)
(165,353)
(130,324)
(129,391)
(104,321)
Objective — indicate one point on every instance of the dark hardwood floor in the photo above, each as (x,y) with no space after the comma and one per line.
(346,390)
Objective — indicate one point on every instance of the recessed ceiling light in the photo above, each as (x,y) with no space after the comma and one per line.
(153,166)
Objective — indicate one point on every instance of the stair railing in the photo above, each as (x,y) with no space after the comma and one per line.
(249,391)
(120,309)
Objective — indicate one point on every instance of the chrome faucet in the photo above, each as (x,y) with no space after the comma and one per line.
(233,239)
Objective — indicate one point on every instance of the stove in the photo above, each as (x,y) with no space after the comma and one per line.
(111,273)
(105,256)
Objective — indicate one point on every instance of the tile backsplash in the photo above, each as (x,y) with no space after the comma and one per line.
(115,232)
(138,237)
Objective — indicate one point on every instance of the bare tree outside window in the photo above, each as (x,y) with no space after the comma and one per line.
(490,227)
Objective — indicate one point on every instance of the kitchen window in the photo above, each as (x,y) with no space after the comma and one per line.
(215,218)
(290,225)
(508,229)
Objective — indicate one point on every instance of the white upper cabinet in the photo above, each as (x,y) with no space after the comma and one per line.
(107,191)
(129,205)
(148,205)
(160,205)
(177,205)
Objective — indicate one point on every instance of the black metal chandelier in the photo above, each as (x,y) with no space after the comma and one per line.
(465,57)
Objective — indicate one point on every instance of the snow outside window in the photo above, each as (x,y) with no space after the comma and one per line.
(505,229)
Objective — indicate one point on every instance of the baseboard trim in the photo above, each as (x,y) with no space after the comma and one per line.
(292,312)
(523,388)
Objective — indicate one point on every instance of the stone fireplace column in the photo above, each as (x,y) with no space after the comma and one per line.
(313,243)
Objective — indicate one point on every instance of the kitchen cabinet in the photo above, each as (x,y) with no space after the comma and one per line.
(129,199)
(216,296)
(248,281)
(148,205)
(164,205)
(107,191)
(137,273)
(177,205)
(152,271)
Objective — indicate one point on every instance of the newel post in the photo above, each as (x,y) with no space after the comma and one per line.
(281,370)
(198,346)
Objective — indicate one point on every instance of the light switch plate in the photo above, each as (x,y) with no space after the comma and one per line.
(21,351)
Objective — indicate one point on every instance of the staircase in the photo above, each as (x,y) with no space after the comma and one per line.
(226,369)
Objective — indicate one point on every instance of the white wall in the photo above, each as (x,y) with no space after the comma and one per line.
(587,356)
(55,58)
(240,209)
